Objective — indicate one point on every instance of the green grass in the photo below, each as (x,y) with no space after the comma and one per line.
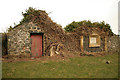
(80,67)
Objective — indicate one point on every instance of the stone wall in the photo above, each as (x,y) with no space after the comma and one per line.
(54,39)
(113,44)
(19,40)
(71,42)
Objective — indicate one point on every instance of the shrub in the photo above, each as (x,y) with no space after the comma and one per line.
(74,25)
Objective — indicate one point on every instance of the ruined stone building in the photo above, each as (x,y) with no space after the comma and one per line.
(40,36)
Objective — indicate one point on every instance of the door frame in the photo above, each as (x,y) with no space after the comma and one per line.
(36,33)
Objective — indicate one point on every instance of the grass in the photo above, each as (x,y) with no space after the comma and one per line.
(80,67)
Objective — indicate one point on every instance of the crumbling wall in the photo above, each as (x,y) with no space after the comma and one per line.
(72,42)
(19,40)
(113,44)
(55,40)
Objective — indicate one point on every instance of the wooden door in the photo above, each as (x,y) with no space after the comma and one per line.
(36,47)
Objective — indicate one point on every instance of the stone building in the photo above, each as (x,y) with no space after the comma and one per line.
(91,39)
(41,36)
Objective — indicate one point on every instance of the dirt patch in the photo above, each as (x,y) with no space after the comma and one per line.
(12,58)
(41,59)
(44,59)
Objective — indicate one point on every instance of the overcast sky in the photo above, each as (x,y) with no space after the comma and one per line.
(61,11)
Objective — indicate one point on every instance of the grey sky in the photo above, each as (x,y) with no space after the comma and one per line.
(62,11)
(119,17)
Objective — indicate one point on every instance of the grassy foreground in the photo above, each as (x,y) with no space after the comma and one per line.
(80,67)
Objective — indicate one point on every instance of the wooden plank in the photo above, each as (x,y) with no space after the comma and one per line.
(81,43)
(105,44)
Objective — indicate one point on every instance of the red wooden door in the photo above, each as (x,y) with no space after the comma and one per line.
(36,47)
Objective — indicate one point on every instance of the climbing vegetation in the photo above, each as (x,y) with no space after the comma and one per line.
(30,14)
(87,23)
